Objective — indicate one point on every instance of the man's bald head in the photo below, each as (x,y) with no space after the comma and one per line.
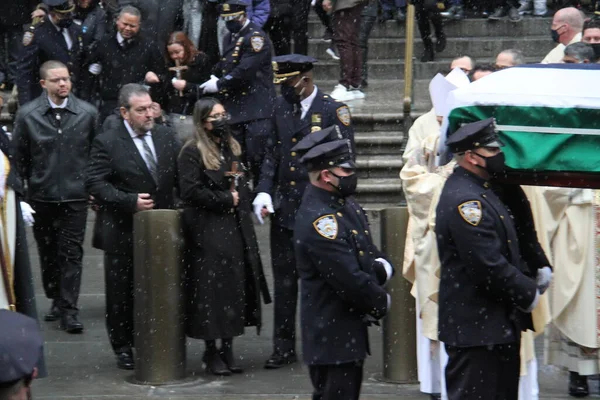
(568,22)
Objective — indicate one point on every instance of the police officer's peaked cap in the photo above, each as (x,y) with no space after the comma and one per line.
(325,149)
(474,135)
(289,65)
(232,8)
(60,6)
(20,346)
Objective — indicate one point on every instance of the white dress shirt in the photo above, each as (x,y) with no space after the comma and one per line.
(307,102)
(138,143)
(63,105)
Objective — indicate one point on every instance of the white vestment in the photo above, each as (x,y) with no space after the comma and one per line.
(556,55)
(8,233)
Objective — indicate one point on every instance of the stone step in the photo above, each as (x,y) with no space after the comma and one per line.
(378,166)
(380,191)
(327,68)
(466,28)
(379,143)
(479,47)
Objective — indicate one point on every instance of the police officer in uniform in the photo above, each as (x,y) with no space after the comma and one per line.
(56,38)
(243,80)
(493,269)
(342,271)
(301,110)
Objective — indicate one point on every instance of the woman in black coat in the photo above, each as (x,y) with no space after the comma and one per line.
(224,275)
(181,93)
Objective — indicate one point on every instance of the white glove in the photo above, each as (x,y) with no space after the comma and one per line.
(260,201)
(544,278)
(95,69)
(210,86)
(313,3)
(388,268)
(27,213)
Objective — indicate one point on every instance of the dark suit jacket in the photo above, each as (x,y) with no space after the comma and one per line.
(117,173)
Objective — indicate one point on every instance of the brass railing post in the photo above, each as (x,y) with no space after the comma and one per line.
(408,67)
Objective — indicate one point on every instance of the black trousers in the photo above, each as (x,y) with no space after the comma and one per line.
(323,16)
(10,45)
(487,372)
(285,286)
(282,28)
(280,31)
(336,382)
(118,281)
(59,231)
(253,136)
(425,13)
(367,23)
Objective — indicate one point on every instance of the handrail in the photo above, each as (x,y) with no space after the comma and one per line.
(408,66)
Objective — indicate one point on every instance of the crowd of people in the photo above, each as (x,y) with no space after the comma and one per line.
(126,107)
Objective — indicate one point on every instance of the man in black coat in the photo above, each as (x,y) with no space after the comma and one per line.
(302,110)
(493,269)
(52,139)
(56,38)
(132,168)
(121,58)
(342,271)
(244,82)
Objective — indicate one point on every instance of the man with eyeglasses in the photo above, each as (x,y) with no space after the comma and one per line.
(132,168)
(51,144)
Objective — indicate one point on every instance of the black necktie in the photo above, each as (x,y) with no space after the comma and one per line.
(149,156)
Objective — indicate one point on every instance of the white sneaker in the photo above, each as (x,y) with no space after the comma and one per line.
(340,93)
(357,93)
(331,52)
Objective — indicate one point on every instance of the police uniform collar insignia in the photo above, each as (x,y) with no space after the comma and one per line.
(316,122)
(327,226)
(470,211)
(257,43)
(343,114)
(226,7)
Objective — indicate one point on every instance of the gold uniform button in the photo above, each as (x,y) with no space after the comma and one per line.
(293,154)
(502,217)
(339,214)
(483,195)
(509,241)
(293,183)
(294,140)
(367,233)
(354,232)
(292,169)
(361,253)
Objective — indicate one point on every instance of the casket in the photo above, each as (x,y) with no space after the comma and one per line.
(547,115)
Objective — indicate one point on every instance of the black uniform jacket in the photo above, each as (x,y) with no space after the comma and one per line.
(341,283)
(117,173)
(52,153)
(42,43)
(246,75)
(485,279)
(282,175)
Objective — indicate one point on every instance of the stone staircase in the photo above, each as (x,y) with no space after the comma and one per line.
(378,119)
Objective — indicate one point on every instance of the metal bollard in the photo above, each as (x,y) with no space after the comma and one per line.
(399,326)
(158,302)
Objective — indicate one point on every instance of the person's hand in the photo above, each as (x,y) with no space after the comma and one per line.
(151,77)
(211,85)
(95,69)
(92,202)
(327,6)
(543,279)
(27,213)
(236,198)
(144,202)
(156,110)
(38,13)
(179,84)
(263,206)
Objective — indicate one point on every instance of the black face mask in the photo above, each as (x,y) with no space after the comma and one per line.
(596,47)
(289,94)
(555,35)
(347,185)
(494,164)
(234,26)
(220,128)
(65,23)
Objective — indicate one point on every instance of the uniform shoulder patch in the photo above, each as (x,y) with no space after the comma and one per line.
(27,38)
(343,114)
(470,211)
(327,226)
(257,43)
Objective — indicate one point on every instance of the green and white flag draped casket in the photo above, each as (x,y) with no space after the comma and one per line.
(548,117)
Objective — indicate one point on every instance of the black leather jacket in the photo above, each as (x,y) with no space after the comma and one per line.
(51,153)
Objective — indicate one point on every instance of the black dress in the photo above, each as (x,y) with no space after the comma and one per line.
(224,275)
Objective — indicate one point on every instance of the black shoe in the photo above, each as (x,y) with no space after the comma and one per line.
(400,16)
(53,314)
(498,14)
(327,36)
(215,364)
(278,360)
(125,361)
(364,83)
(513,15)
(436,396)
(578,385)
(428,54)
(440,44)
(229,360)
(70,324)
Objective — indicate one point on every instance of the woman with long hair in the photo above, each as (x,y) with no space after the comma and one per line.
(224,275)
(190,68)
